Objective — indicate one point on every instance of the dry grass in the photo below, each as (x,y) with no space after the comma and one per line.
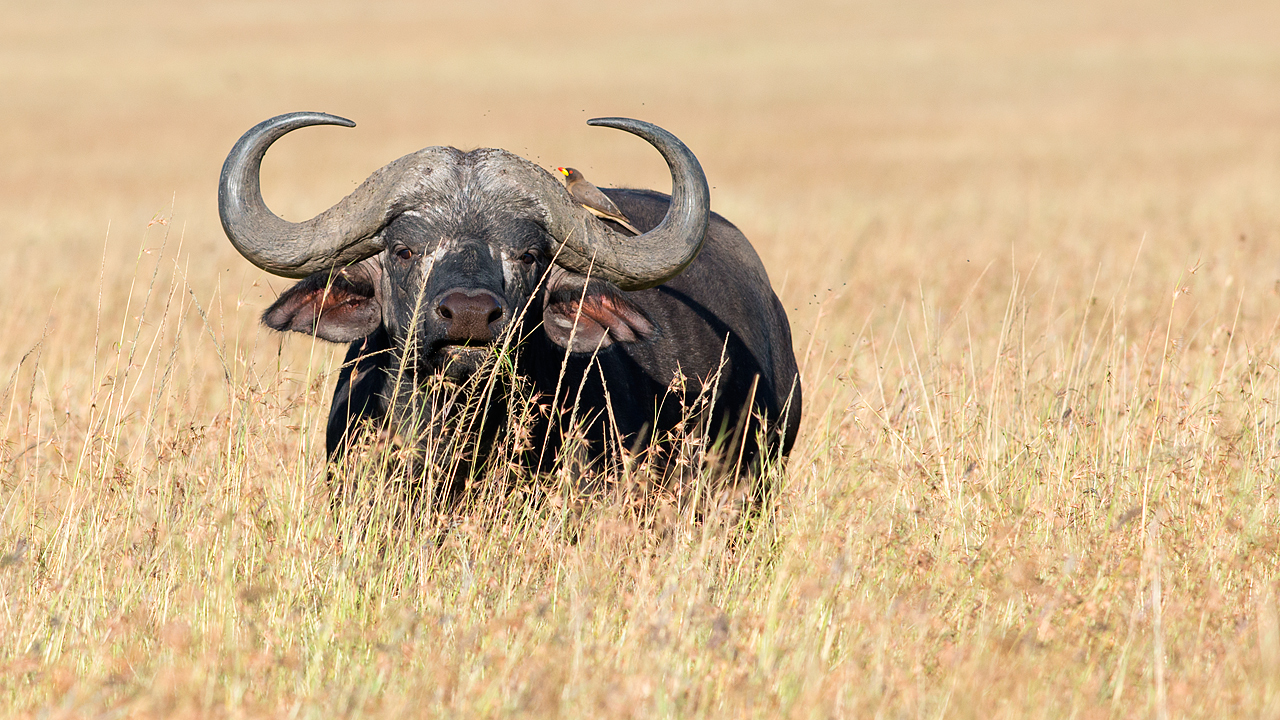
(1029,252)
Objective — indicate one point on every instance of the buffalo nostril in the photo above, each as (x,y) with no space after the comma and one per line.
(469,314)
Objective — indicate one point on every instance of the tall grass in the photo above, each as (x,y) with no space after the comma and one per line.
(1073,514)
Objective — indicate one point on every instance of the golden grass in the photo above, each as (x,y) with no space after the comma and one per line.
(1029,254)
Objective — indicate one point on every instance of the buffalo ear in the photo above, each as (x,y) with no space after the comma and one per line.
(582,316)
(340,306)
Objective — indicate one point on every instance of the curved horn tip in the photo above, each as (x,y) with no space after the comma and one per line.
(646,130)
(306,118)
(334,119)
(619,123)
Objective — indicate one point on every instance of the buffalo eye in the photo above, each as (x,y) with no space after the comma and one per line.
(528,258)
(404,253)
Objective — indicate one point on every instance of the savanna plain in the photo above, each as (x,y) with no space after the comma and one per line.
(1031,257)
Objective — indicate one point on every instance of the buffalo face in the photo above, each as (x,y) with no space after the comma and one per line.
(452,285)
(446,292)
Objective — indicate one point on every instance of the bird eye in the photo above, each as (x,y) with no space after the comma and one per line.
(528,258)
(404,253)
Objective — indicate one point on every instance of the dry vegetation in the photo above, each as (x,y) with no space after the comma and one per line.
(1030,254)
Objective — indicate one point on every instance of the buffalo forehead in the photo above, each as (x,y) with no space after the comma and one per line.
(446,181)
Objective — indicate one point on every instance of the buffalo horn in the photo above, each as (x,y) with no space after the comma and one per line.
(343,234)
(632,263)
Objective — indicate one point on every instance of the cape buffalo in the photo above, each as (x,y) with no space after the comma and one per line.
(445,264)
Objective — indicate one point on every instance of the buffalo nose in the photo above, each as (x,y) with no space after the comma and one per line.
(470,314)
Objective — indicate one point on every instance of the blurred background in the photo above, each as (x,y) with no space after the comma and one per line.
(875,154)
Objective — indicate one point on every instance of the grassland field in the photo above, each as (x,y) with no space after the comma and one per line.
(1031,257)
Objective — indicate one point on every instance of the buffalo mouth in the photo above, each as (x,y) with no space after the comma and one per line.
(459,361)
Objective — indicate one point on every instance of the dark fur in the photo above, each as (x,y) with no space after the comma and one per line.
(719,317)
